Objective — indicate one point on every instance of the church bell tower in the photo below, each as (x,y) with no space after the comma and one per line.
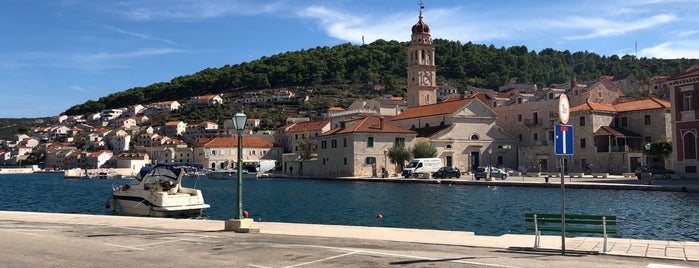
(422,88)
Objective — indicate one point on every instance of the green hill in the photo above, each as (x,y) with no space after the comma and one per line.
(349,71)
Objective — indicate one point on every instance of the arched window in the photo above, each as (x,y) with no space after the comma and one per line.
(448,146)
(475,137)
(690,145)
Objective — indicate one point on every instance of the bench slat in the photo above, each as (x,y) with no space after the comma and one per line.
(574,229)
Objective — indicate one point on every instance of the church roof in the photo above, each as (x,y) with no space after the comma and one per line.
(448,107)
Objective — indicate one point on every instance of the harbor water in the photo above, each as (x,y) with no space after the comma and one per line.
(485,210)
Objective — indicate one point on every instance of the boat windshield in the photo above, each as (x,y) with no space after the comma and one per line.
(165,170)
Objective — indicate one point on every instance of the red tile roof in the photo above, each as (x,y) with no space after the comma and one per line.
(448,107)
(370,124)
(638,105)
(309,126)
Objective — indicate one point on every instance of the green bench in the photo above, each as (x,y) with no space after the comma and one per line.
(575,223)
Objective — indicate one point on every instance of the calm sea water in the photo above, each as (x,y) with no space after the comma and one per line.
(480,209)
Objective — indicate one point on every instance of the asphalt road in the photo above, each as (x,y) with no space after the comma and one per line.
(37,244)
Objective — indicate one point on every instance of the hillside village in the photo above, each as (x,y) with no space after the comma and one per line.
(512,127)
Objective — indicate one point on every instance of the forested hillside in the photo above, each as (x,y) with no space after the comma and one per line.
(353,67)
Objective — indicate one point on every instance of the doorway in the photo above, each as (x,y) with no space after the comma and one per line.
(475,160)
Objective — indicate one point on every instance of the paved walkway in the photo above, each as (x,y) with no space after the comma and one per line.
(687,251)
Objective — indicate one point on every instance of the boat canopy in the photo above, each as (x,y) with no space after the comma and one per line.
(167,169)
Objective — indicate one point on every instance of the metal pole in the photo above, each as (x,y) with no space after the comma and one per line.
(240,177)
(563,209)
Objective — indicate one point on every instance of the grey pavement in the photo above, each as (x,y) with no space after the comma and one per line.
(25,227)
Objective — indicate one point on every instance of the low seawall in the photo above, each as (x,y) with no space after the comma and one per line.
(98,173)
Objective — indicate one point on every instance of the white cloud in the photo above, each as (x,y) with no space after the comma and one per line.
(195,9)
(603,28)
(673,50)
(78,89)
(130,54)
(139,35)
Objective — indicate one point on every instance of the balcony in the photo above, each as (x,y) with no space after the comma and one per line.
(532,122)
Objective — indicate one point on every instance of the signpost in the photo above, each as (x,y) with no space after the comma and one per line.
(564,146)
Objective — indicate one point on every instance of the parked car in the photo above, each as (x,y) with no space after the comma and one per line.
(447,172)
(657,172)
(482,172)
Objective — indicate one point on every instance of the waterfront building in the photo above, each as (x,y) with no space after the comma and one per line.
(358,148)
(684,96)
(613,137)
(290,136)
(133,161)
(221,152)
(601,140)
(464,132)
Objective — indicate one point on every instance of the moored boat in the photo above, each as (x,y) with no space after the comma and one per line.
(228,174)
(159,193)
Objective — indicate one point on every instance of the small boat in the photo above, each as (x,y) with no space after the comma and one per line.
(228,174)
(159,193)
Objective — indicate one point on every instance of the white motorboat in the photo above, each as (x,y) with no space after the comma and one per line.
(159,193)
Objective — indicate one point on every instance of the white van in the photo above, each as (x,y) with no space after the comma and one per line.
(422,167)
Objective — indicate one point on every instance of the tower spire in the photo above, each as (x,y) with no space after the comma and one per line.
(422,6)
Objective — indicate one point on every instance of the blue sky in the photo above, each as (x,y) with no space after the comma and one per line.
(55,54)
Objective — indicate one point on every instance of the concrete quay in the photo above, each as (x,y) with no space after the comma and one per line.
(74,240)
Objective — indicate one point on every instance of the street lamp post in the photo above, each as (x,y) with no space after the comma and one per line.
(239,124)
(240,224)
(490,164)
(647,147)
(507,151)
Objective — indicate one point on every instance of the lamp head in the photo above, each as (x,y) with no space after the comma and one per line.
(239,120)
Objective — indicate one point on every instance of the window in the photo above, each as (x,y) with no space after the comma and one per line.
(500,160)
(582,121)
(690,146)
(370,160)
(475,137)
(323,144)
(624,122)
(370,142)
(646,119)
(535,136)
(687,103)
(333,143)
(344,161)
(519,137)
(399,142)
(344,142)
(519,118)
(583,143)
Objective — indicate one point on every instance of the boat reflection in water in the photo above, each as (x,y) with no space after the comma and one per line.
(159,193)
